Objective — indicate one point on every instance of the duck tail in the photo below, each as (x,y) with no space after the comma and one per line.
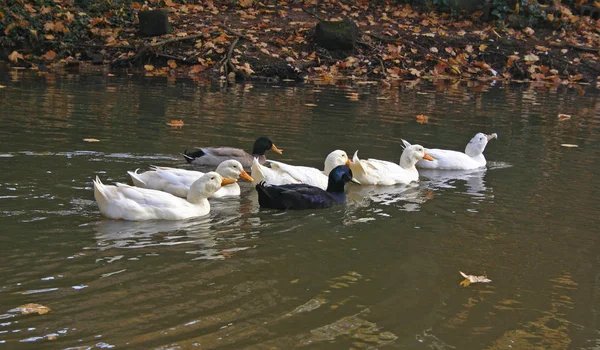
(99,191)
(136,179)
(189,157)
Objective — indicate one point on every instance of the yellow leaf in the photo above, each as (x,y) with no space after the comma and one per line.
(2,86)
(465,282)
(49,37)
(31,309)
(15,56)
(149,67)
(172,64)
(482,47)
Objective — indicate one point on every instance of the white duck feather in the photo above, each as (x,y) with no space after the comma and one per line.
(472,158)
(178,181)
(138,204)
(381,172)
(281,173)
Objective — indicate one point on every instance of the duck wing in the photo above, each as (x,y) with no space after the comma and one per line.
(302,174)
(216,155)
(294,196)
(447,159)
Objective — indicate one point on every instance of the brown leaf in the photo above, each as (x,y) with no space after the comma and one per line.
(197,69)
(50,55)
(172,64)
(49,26)
(245,3)
(149,68)
(15,56)
(175,122)
(562,117)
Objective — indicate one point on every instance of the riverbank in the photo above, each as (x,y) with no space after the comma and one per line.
(275,42)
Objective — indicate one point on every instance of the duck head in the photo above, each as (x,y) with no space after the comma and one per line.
(263,144)
(233,169)
(477,144)
(335,158)
(412,154)
(206,185)
(338,177)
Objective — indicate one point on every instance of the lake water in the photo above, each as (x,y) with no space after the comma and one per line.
(380,272)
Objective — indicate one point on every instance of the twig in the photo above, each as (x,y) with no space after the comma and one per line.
(175,58)
(228,59)
(312,14)
(382,38)
(232,32)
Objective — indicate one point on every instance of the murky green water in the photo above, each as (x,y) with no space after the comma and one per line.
(380,272)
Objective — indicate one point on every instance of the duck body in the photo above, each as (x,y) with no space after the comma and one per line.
(178,181)
(381,172)
(213,156)
(472,158)
(304,196)
(126,202)
(282,174)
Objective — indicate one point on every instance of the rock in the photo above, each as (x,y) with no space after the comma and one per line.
(97,58)
(154,23)
(341,35)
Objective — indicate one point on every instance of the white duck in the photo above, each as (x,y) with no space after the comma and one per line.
(381,172)
(453,160)
(138,204)
(178,181)
(282,174)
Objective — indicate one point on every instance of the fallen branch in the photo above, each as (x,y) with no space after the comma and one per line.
(149,46)
(312,14)
(227,62)
(375,36)
(232,32)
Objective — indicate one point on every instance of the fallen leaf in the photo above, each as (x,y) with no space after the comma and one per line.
(175,122)
(433,49)
(245,3)
(91,140)
(569,145)
(562,117)
(531,58)
(172,64)
(2,86)
(15,56)
(482,47)
(473,279)
(353,96)
(529,31)
(310,104)
(50,55)
(422,119)
(31,309)
(149,67)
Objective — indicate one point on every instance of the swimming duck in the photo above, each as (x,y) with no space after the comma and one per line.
(303,196)
(282,174)
(381,172)
(178,181)
(138,204)
(215,155)
(453,160)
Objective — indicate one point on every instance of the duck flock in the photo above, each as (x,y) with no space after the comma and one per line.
(164,193)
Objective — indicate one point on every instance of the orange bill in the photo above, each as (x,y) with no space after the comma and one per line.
(428,157)
(245,175)
(227,181)
(347,162)
(276,150)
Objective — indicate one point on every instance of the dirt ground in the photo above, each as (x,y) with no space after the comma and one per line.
(273,41)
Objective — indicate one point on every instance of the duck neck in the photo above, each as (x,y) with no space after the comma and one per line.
(196,198)
(335,187)
(407,162)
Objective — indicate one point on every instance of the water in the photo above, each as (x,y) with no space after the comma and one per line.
(381,272)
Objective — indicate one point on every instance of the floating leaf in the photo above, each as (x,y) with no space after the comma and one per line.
(310,104)
(353,96)
(31,309)
(91,140)
(562,117)
(175,122)
(422,119)
(473,279)
(569,145)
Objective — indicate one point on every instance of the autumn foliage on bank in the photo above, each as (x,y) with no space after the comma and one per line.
(274,41)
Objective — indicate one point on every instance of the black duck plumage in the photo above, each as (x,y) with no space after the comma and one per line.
(302,196)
